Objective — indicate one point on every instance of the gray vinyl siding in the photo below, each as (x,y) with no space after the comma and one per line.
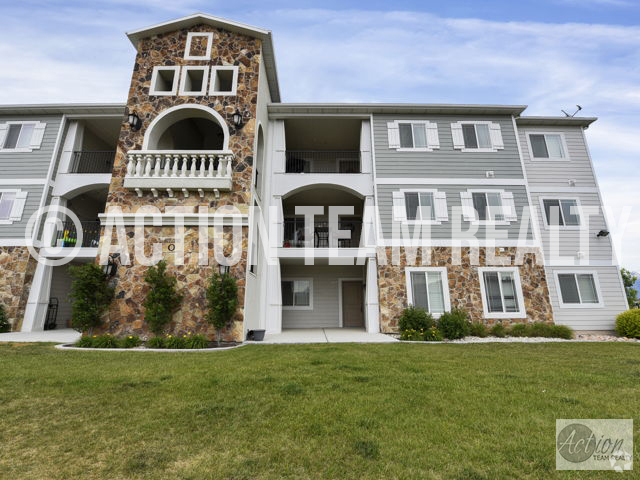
(445,162)
(326,308)
(17,229)
(33,164)
(445,230)
(598,318)
(556,173)
(600,249)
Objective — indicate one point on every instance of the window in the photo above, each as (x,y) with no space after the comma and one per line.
(420,206)
(427,287)
(164,81)
(6,204)
(297,294)
(413,135)
(198,46)
(501,293)
(561,212)
(224,80)
(549,146)
(488,206)
(477,136)
(18,136)
(12,204)
(193,80)
(578,289)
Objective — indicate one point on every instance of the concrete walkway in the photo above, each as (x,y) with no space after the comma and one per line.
(327,335)
(63,335)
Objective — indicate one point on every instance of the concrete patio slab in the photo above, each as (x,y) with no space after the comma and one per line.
(64,335)
(326,335)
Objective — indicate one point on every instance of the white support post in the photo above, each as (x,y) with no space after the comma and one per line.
(365,147)
(36,311)
(371,303)
(273,311)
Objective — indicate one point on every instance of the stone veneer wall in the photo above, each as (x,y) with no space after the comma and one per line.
(464,286)
(16,274)
(126,313)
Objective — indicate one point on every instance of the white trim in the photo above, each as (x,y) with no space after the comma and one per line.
(521,313)
(493,148)
(183,80)
(234,80)
(340,280)
(15,242)
(449,181)
(433,192)
(427,124)
(545,220)
(293,307)
(563,190)
(154,79)
(444,278)
(596,282)
(23,181)
(187,49)
(566,158)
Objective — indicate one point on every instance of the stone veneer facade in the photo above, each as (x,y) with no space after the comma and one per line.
(16,274)
(126,313)
(464,286)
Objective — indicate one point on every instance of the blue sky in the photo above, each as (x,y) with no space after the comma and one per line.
(548,54)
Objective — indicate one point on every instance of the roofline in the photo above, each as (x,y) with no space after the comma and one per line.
(184,22)
(556,121)
(63,108)
(284,109)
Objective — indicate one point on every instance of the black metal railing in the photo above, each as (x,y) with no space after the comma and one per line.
(84,161)
(294,234)
(314,161)
(68,235)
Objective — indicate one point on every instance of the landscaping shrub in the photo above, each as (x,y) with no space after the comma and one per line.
(412,335)
(130,341)
(84,341)
(628,323)
(175,341)
(540,329)
(414,318)
(105,341)
(162,300)
(519,330)
(90,296)
(454,324)
(155,342)
(5,326)
(432,335)
(197,341)
(562,331)
(222,299)
(498,330)
(478,329)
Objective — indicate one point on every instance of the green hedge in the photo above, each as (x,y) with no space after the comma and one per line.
(628,323)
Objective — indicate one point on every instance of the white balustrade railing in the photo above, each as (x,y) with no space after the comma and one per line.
(176,164)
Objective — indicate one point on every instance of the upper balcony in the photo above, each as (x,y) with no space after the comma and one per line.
(92,161)
(322,161)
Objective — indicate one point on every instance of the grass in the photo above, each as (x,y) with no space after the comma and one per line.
(315,411)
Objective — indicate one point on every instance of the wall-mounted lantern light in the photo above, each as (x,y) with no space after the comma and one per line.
(134,121)
(111,268)
(237,118)
(224,269)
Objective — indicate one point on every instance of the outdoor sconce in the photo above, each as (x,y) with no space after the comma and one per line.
(603,233)
(111,268)
(237,118)
(224,269)
(134,122)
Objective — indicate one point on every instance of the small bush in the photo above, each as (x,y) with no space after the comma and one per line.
(478,329)
(90,296)
(628,323)
(562,331)
(414,318)
(5,326)
(197,341)
(222,301)
(175,341)
(412,335)
(85,341)
(130,341)
(498,330)
(519,330)
(432,335)
(454,324)
(155,342)
(163,298)
(105,341)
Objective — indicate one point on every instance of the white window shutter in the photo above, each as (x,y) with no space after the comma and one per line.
(394,134)
(432,135)
(18,206)
(37,135)
(496,136)
(509,207)
(3,133)
(440,200)
(456,134)
(399,209)
(468,212)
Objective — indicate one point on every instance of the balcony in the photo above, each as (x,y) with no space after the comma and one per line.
(322,237)
(318,161)
(179,170)
(67,236)
(85,161)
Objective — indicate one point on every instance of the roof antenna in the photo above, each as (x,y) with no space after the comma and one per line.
(574,113)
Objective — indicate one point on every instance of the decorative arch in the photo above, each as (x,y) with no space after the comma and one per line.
(172,115)
(342,185)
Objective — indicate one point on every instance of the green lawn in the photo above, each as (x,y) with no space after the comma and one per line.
(316,411)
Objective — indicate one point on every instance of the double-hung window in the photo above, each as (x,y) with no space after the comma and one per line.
(6,204)
(501,292)
(18,136)
(420,206)
(413,135)
(561,212)
(427,288)
(578,289)
(547,146)
(297,294)
(477,136)
(488,206)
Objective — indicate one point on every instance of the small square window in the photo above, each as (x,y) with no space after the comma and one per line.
(488,206)
(578,289)
(420,206)
(193,80)
(476,135)
(18,136)
(198,46)
(224,80)
(562,213)
(547,146)
(297,294)
(164,81)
